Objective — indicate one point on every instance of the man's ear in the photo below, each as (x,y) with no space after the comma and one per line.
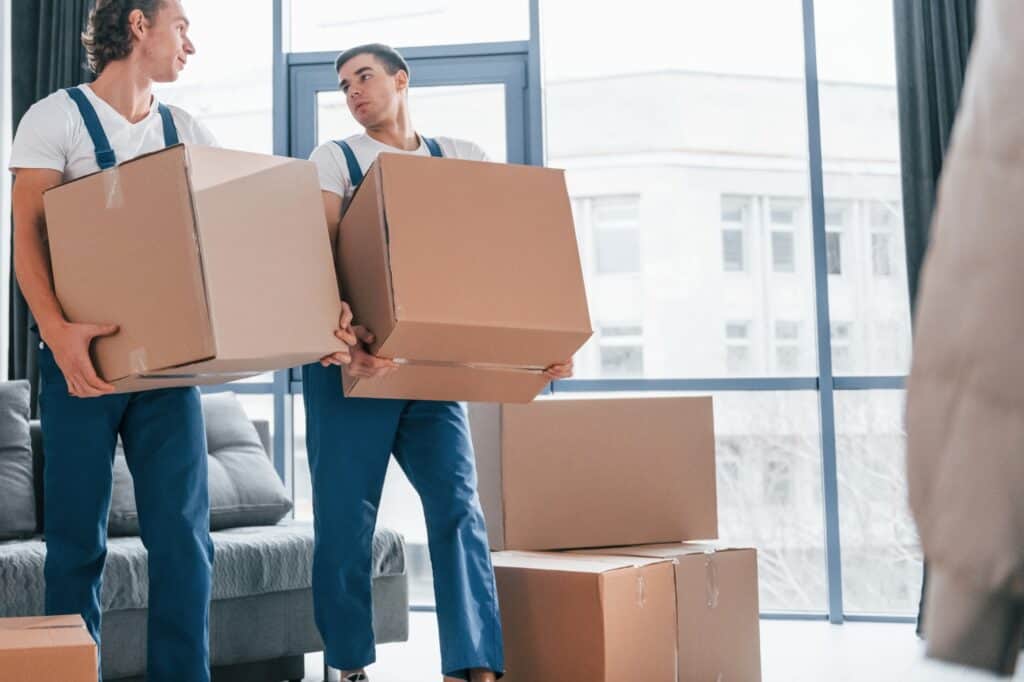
(138,24)
(402,79)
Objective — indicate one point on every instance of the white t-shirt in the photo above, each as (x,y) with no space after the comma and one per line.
(333,169)
(52,134)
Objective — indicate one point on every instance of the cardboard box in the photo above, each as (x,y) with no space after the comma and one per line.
(717,607)
(466,272)
(46,648)
(563,473)
(215,263)
(598,619)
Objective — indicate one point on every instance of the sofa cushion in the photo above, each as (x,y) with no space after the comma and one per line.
(244,488)
(17,495)
(247,561)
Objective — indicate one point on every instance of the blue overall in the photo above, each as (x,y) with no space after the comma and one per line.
(165,446)
(349,443)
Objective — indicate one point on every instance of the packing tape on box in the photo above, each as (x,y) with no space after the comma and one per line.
(227,376)
(470,365)
(711,579)
(641,590)
(138,360)
(112,187)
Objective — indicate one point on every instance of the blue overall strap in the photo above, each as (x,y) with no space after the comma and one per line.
(355,173)
(433,146)
(170,132)
(104,154)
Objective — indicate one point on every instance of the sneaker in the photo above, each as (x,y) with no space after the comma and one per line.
(356,677)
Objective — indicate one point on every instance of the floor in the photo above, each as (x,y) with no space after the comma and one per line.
(792,651)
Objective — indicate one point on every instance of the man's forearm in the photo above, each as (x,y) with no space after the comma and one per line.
(32,269)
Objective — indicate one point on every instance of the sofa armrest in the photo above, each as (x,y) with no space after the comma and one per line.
(263,429)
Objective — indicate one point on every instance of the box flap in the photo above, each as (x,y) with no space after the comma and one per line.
(104,230)
(501,225)
(671,550)
(569,562)
(212,166)
(413,382)
(42,622)
(270,278)
(364,274)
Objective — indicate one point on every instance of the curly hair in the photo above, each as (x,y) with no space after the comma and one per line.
(107,36)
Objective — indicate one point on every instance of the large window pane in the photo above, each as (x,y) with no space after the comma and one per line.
(662,111)
(331,25)
(769,492)
(881,552)
(864,219)
(228,83)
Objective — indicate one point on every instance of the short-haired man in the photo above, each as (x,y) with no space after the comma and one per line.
(350,440)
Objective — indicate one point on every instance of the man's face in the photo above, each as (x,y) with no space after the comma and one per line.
(163,42)
(372,94)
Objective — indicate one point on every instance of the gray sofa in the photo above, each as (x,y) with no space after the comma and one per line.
(261,616)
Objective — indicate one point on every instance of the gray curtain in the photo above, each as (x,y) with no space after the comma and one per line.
(46,55)
(933,40)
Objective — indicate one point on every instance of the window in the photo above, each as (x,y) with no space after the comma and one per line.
(783,252)
(616,226)
(737,348)
(233,97)
(842,355)
(834,252)
(621,350)
(328,24)
(881,559)
(778,482)
(783,212)
(883,221)
(835,221)
(735,213)
(787,346)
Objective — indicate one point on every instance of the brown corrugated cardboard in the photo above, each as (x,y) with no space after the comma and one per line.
(561,473)
(467,272)
(717,607)
(599,619)
(46,648)
(215,264)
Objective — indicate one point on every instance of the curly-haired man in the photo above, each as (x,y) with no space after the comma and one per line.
(130,44)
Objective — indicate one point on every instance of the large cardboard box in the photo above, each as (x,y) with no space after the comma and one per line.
(717,609)
(467,273)
(215,263)
(563,473)
(593,619)
(46,648)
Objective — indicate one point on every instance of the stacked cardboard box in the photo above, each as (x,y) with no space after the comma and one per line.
(621,487)
(46,648)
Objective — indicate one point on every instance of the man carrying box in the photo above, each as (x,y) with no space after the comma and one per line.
(350,440)
(130,44)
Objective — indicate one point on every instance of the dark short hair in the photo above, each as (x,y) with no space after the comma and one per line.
(388,56)
(107,37)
